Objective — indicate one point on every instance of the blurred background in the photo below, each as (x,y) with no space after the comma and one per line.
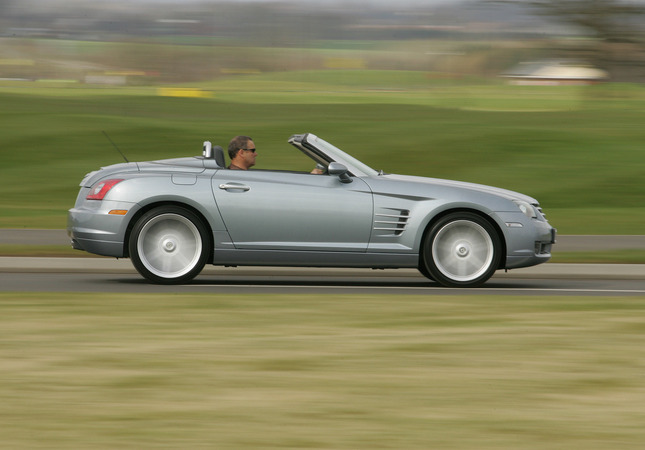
(148,41)
(540,96)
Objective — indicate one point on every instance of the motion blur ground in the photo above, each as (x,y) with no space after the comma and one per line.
(320,371)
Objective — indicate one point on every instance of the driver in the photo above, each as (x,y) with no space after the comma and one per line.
(241,150)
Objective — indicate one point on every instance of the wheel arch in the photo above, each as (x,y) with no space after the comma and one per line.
(151,206)
(442,214)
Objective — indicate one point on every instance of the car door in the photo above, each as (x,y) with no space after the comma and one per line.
(272,210)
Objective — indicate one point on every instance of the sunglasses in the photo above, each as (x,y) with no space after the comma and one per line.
(248,149)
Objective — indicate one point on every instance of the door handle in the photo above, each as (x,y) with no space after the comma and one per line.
(227,186)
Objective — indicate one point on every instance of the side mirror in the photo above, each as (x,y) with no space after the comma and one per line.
(339,169)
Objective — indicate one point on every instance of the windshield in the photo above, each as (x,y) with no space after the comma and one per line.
(340,156)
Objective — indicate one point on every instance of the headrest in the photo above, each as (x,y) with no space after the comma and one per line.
(218,155)
(215,152)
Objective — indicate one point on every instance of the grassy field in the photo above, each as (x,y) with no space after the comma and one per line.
(577,149)
(206,371)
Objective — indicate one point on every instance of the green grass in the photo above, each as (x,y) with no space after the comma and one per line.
(600,257)
(577,149)
(43,251)
(281,371)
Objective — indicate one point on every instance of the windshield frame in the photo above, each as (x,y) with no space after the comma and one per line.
(334,154)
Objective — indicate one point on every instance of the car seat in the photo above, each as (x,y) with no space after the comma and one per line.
(215,152)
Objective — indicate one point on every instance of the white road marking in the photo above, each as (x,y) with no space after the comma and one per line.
(428,288)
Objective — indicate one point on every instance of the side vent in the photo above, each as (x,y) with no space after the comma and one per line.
(391,222)
(540,211)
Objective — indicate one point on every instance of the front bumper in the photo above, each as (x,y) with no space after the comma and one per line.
(527,245)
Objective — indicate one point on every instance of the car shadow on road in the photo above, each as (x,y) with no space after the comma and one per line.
(393,283)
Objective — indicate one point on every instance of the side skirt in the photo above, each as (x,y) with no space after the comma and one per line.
(314,259)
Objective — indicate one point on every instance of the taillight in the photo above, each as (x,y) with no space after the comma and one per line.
(100,189)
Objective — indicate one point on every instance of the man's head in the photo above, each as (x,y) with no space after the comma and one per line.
(241,150)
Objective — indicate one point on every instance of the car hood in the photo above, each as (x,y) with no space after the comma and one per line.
(504,193)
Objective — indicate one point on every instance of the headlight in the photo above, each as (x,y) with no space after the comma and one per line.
(526,208)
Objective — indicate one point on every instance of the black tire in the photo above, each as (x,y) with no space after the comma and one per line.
(424,270)
(461,250)
(169,245)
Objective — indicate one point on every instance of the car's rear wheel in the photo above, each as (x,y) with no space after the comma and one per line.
(461,250)
(169,245)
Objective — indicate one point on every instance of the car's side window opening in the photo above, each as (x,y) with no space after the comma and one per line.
(293,160)
(299,160)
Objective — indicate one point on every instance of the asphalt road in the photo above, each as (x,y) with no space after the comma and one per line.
(118,276)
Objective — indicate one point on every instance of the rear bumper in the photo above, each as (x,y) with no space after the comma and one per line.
(96,231)
(90,244)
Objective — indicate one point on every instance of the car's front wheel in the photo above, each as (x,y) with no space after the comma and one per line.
(169,245)
(461,250)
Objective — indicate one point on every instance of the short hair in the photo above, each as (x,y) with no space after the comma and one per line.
(237,143)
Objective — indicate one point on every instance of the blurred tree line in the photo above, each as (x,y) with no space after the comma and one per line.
(615,32)
(608,34)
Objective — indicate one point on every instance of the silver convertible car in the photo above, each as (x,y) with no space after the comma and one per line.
(171,217)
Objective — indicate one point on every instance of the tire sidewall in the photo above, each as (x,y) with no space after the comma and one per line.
(427,257)
(152,214)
